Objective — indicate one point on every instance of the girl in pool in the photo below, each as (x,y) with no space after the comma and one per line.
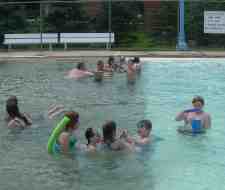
(67,140)
(110,140)
(14,117)
(196,113)
(93,139)
(79,72)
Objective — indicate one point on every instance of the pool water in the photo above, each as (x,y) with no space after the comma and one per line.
(165,87)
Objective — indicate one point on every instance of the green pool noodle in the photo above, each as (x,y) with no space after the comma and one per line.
(55,134)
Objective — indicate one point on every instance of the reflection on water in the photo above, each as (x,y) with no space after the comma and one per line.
(163,88)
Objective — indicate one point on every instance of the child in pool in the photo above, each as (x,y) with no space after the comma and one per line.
(93,139)
(111,141)
(66,140)
(196,113)
(144,131)
(14,117)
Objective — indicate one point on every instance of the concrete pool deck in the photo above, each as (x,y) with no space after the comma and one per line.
(105,53)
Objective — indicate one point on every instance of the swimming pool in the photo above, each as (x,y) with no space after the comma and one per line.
(165,87)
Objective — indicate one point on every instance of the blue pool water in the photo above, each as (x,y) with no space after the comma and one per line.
(165,87)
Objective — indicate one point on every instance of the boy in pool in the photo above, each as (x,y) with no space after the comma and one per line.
(144,131)
(196,113)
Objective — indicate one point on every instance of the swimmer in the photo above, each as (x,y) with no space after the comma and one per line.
(109,67)
(120,66)
(131,72)
(110,140)
(98,74)
(15,118)
(196,113)
(144,128)
(79,72)
(137,64)
(66,140)
(102,72)
(93,139)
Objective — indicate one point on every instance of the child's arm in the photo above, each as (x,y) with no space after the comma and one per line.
(181,116)
(142,141)
(64,142)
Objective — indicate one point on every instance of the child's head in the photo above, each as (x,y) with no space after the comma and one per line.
(12,99)
(81,66)
(12,107)
(74,120)
(111,60)
(109,131)
(92,136)
(100,65)
(144,128)
(198,102)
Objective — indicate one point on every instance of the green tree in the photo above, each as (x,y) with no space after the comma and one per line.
(66,18)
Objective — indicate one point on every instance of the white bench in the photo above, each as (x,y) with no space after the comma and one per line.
(80,38)
(32,38)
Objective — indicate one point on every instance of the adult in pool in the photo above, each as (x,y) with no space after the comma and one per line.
(79,72)
(195,119)
(14,117)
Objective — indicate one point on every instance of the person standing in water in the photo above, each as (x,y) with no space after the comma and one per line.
(195,116)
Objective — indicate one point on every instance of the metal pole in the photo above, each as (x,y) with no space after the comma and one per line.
(41,25)
(181,42)
(110,22)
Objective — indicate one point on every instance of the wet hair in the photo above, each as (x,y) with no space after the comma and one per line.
(109,129)
(13,109)
(198,99)
(74,119)
(110,60)
(80,65)
(136,60)
(147,124)
(89,133)
(12,99)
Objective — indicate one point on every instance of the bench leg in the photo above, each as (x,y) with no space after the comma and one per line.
(65,46)
(9,47)
(50,47)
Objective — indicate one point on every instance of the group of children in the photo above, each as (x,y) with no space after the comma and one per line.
(111,138)
(195,119)
(106,70)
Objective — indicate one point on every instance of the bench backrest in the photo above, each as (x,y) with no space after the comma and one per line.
(35,38)
(86,37)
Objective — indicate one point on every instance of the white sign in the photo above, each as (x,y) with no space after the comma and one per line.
(214,22)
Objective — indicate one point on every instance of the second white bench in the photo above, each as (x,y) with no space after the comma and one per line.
(101,38)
